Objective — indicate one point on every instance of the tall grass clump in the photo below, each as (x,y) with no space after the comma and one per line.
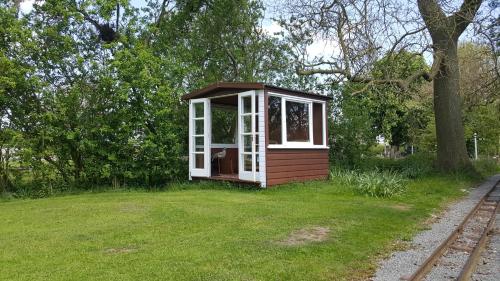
(373,183)
(380,184)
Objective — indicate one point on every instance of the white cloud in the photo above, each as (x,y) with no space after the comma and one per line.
(26,6)
(322,48)
(271,27)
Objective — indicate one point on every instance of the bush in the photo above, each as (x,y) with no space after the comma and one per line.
(413,166)
(373,183)
(417,165)
(486,167)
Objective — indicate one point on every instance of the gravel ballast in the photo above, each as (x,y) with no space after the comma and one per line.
(400,265)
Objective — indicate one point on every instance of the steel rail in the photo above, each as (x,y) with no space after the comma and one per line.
(427,265)
(473,259)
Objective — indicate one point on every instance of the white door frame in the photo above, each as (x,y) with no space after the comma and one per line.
(252,175)
(204,171)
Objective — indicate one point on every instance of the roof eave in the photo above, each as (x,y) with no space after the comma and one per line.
(223,86)
(220,86)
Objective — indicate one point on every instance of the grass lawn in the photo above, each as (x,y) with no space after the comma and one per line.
(207,233)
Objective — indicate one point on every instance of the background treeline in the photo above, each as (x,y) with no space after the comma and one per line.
(82,105)
(90,91)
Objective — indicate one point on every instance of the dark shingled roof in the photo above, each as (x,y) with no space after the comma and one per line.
(223,88)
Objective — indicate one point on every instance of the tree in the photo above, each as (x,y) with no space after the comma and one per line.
(397,115)
(385,112)
(219,41)
(445,31)
(362,30)
(480,93)
(84,108)
(18,101)
(479,83)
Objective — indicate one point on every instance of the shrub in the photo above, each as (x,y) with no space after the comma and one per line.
(417,165)
(486,167)
(374,183)
(413,166)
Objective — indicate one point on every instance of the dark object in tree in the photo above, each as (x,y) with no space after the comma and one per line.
(106,32)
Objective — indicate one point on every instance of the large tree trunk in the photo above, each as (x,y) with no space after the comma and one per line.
(451,149)
(445,31)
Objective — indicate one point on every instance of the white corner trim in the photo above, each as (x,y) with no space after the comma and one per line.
(262,138)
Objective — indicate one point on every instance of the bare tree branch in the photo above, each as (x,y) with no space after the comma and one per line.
(464,16)
(394,46)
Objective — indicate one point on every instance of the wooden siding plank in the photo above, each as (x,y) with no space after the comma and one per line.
(300,179)
(294,162)
(296,174)
(277,169)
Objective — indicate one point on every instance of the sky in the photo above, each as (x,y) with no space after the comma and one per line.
(26,6)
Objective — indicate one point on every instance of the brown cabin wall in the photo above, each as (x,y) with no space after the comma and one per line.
(289,165)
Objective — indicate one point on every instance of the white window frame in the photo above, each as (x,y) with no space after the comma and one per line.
(206,170)
(252,175)
(293,144)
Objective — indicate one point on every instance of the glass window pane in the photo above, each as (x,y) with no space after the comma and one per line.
(198,127)
(199,161)
(198,109)
(224,124)
(257,162)
(247,143)
(274,114)
(247,162)
(297,121)
(256,123)
(199,144)
(247,104)
(247,124)
(318,120)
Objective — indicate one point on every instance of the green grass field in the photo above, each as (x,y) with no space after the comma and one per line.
(199,232)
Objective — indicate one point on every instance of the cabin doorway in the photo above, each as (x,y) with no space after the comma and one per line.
(224,137)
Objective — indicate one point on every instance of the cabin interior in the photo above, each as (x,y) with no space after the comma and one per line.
(224,137)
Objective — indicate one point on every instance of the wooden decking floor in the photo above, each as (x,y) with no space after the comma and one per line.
(230,178)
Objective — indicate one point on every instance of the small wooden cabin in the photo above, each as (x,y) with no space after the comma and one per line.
(257,133)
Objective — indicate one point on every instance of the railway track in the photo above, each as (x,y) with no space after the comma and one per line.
(456,258)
